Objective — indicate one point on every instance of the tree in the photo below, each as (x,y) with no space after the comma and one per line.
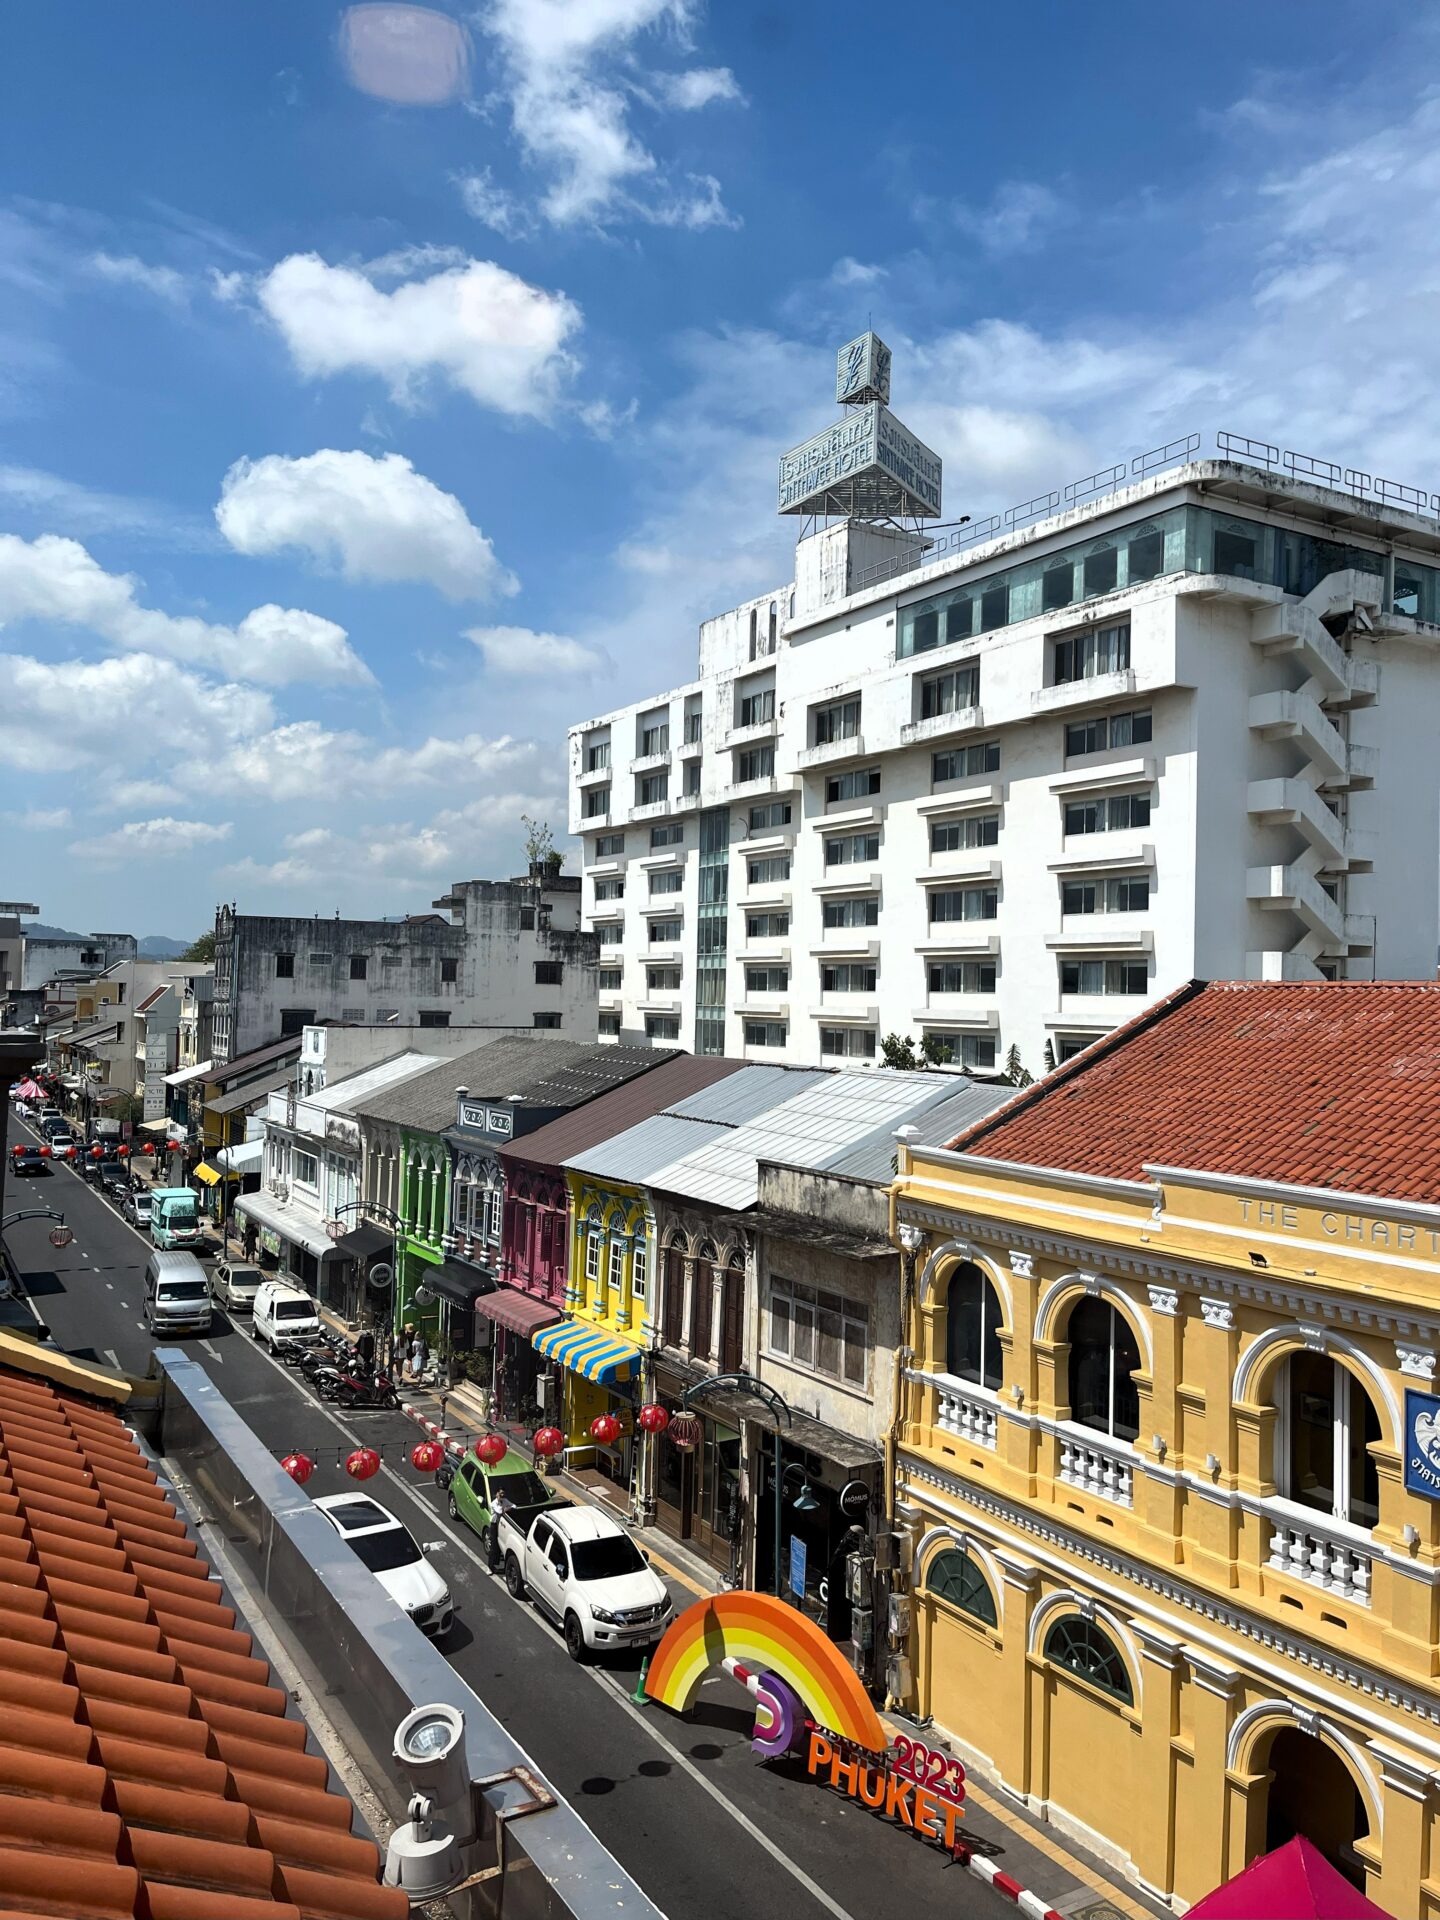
(540,848)
(202,951)
(935,1051)
(1049,1056)
(1016,1072)
(898,1053)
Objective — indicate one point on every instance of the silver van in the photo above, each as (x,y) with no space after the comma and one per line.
(177,1294)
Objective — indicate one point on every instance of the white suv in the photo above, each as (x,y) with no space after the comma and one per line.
(583,1569)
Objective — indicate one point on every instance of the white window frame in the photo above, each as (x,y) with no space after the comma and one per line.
(493,1213)
(615,1278)
(593,1240)
(639,1263)
(299,1159)
(1344,1389)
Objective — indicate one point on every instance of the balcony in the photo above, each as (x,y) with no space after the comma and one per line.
(1292,890)
(1325,1553)
(964,1410)
(756,734)
(593,777)
(941,726)
(831,753)
(1104,1468)
(650,762)
(1083,693)
(652,809)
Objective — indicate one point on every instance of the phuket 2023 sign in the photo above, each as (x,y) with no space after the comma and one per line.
(808,1699)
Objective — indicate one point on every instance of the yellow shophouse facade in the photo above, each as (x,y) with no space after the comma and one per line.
(1170,1588)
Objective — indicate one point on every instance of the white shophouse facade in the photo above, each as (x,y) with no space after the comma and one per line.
(1008,797)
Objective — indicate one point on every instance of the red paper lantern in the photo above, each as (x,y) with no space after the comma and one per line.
(363,1464)
(653,1419)
(427,1456)
(45,1152)
(491,1448)
(70,1151)
(605,1429)
(299,1466)
(686,1431)
(97,1152)
(123,1151)
(548,1442)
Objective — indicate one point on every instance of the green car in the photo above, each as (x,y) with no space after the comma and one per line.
(512,1481)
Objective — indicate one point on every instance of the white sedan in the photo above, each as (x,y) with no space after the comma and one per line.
(388,1549)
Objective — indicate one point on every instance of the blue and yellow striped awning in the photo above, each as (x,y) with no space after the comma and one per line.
(588,1350)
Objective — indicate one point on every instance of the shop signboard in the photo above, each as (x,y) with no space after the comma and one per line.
(1422,1444)
(496,1123)
(797,1565)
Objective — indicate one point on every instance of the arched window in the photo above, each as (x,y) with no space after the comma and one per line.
(955,1577)
(1327,1426)
(700,1303)
(1103,1355)
(672,1329)
(972,1328)
(1083,1649)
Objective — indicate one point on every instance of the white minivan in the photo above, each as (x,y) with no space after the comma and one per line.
(283,1313)
(177,1294)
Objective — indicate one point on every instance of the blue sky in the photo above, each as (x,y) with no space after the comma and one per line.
(383,388)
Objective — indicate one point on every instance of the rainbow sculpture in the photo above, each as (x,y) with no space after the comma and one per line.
(763,1632)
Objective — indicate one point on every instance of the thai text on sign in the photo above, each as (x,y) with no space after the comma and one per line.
(918,1789)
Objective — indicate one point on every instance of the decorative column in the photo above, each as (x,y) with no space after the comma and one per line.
(1150,1838)
(1203,1852)
(1158,1444)
(692,1280)
(1012,1738)
(626,1302)
(717,1313)
(1406,1787)
(1211,1352)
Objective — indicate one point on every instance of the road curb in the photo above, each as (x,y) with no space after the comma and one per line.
(993,1876)
(435,1432)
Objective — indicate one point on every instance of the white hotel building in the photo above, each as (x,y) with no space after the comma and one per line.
(1007,795)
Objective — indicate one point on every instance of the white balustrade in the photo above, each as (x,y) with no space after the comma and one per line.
(1322,1559)
(965,1412)
(1108,1472)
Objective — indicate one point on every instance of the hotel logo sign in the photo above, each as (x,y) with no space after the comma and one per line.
(868,458)
(1422,1444)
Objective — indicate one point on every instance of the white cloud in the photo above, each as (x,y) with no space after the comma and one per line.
(40,819)
(571,70)
(1017,215)
(369,518)
(849,272)
(125,795)
(228,287)
(412,55)
(61,716)
(521,653)
(164,283)
(161,839)
(475,326)
(302,760)
(56,580)
(90,509)
(494,206)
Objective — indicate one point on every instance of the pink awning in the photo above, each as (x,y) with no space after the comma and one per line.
(1295,1882)
(521,1313)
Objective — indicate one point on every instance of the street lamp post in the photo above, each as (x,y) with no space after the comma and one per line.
(747,1383)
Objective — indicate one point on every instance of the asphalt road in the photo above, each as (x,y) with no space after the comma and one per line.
(682,1803)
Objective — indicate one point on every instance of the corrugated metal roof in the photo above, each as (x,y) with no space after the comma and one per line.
(520,1069)
(939,1114)
(340,1096)
(254,1092)
(677,1076)
(644,1155)
(257,1057)
(752,1091)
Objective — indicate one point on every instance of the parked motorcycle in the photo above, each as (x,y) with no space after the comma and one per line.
(356,1390)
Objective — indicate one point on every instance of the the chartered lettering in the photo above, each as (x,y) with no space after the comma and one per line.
(1357,1228)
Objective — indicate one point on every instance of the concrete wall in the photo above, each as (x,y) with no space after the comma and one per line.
(46,956)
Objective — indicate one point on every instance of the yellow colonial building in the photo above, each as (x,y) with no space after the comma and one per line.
(1169,1453)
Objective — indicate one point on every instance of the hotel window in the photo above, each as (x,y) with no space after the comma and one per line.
(852,786)
(611,889)
(655,738)
(1069,1045)
(1103,1356)
(611,979)
(653,788)
(837,720)
(755,763)
(1108,730)
(954,1577)
(609,846)
(1083,656)
(1326,1428)
(765,1033)
(433,1018)
(961,976)
(549,973)
(612,934)
(617,1267)
(963,903)
(961,836)
(975,1050)
(766,926)
(950,692)
(1082,1648)
(449,972)
(662,979)
(662,1026)
(769,871)
(694,720)
(860,910)
(847,977)
(1122,893)
(666,883)
(1108,815)
(767,979)
(853,850)
(639,1269)
(324,959)
(664,933)
(549,1020)
(692,777)
(756,709)
(965,763)
(597,802)
(1104,976)
(284,966)
(847,1043)
(609,1025)
(767,818)
(597,757)
(822,1331)
(672,834)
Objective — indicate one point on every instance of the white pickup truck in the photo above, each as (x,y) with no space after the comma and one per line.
(582,1568)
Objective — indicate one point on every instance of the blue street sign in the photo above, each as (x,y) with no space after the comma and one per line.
(797,1566)
(1422,1444)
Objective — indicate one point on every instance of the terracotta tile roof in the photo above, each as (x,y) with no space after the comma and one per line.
(148,1768)
(1327,1085)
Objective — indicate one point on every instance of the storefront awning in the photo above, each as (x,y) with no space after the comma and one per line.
(246,1157)
(365,1241)
(801,1431)
(588,1350)
(300,1229)
(455,1283)
(162,1125)
(188,1073)
(520,1312)
(211,1176)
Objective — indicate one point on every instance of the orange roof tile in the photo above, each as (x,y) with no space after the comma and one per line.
(148,1769)
(1334,1085)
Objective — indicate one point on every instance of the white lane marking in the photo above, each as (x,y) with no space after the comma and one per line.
(139,1323)
(209,1346)
(109,1286)
(113,1358)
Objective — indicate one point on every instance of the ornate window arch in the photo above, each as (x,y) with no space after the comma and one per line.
(1067,1605)
(1104,1357)
(1257,1363)
(1268,1716)
(972,1327)
(1061,1293)
(956,1576)
(1081,1647)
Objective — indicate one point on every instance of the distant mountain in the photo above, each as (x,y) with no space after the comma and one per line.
(41,931)
(159,946)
